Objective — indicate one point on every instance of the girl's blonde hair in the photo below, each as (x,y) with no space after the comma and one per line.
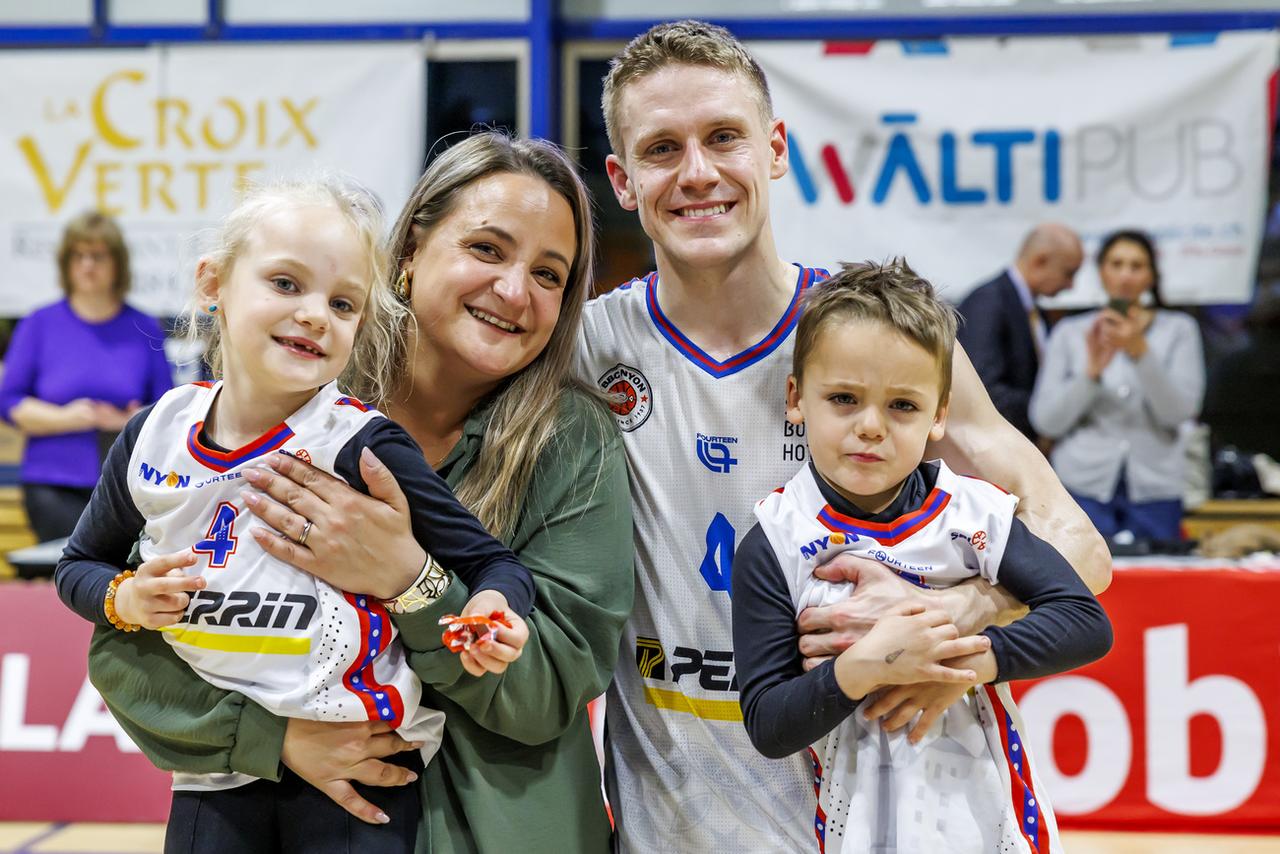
(525,406)
(372,369)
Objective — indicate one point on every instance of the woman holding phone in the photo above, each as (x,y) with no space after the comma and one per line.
(1114,387)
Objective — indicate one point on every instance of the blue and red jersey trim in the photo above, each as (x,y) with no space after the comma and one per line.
(221,461)
(887,533)
(381,702)
(351,401)
(748,357)
(1023,794)
(819,815)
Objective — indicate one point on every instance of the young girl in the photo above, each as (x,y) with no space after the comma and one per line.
(297,299)
(870,384)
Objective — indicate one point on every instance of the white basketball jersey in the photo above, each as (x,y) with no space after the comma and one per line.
(294,644)
(969,786)
(705,439)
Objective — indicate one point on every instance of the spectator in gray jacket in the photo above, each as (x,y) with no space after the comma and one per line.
(1114,387)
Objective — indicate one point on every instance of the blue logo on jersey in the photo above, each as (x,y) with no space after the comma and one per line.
(813,548)
(717,565)
(159,478)
(713,452)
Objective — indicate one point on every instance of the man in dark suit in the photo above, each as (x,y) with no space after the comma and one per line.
(1003,332)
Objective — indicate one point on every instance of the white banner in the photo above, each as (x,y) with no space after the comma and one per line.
(163,138)
(948,152)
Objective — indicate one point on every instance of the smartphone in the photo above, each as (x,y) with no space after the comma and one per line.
(1119,306)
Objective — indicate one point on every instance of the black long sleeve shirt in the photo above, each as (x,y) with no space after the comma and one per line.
(786,709)
(103,540)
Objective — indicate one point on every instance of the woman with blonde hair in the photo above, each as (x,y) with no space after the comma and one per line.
(493,254)
(76,370)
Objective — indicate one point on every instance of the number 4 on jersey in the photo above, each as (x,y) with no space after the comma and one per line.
(717,564)
(220,543)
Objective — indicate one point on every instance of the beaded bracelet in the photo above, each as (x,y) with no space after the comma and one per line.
(109,604)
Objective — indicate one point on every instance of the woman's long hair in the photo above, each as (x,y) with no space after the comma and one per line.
(525,406)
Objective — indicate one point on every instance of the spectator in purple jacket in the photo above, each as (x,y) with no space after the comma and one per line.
(76,370)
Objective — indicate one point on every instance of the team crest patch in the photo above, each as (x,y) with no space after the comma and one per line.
(629,394)
(302,454)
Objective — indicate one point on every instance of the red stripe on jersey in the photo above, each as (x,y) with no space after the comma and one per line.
(221,461)
(359,678)
(984,480)
(1021,791)
(887,533)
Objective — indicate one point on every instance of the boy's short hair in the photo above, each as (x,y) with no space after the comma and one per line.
(678,43)
(890,293)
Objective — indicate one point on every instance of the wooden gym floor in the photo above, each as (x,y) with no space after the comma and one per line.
(87,838)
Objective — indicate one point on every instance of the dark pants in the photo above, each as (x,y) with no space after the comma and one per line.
(291,817)
(1159,521)
(52,512)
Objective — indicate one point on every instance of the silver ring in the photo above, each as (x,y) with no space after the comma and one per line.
(306,532)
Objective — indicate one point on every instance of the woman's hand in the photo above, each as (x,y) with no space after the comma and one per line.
(80,414)
(910,645)
(158,593)
(355,542)
(332,755)
(1099,346)
(1127,332)
(111,418)
(493,656)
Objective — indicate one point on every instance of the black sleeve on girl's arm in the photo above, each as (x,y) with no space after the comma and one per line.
(784,709)
(105,535)
(1066,627)
(441,525)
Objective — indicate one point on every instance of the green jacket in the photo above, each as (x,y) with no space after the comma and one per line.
(517,770)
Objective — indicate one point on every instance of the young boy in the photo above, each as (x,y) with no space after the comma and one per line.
(870,383)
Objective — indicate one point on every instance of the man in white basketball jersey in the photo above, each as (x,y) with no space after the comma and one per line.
(696,356)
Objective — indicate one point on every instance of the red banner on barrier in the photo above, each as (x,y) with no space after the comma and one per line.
(63,756)
(1174,728)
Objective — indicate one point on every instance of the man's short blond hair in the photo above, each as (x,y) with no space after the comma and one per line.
(679,43)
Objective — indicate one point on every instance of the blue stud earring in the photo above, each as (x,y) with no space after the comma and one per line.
(212,308)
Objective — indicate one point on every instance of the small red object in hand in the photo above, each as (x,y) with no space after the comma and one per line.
(463,632)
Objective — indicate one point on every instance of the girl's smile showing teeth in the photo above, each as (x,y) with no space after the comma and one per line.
(495,321)
(700,212)
(301,347)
